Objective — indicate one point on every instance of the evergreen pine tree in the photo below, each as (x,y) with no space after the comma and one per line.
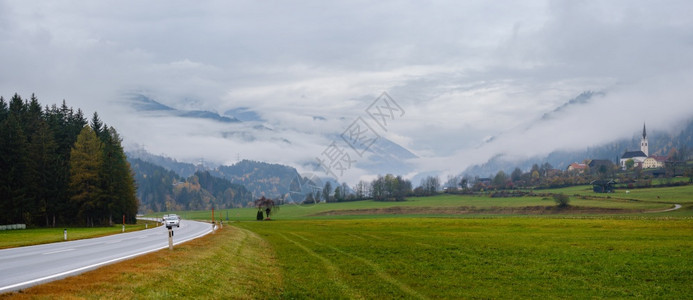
(98,126)
(4,167)
(32,116)
(4,110)
(122,183)
(13,167)
(17,106)
(43,173)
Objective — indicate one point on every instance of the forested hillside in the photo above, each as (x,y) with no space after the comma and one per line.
(227,194)
(154,185)
(160,189)
(262,179)
(55,169)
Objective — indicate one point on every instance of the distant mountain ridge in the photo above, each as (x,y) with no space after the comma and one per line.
(388,157)
(143,103)
(243,114)
(581,99)
(182,169)
(258,178)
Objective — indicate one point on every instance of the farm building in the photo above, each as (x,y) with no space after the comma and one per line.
(603,186)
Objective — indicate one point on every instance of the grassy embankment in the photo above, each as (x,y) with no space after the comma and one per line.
(36,236)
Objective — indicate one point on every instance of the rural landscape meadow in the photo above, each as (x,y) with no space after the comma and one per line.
(442,246)
(538,149)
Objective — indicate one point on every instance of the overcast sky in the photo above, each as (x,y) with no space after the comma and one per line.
(462,71)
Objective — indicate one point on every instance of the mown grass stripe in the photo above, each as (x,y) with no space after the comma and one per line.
(377,268)
(331,268)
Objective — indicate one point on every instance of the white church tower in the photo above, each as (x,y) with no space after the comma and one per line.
(643,142)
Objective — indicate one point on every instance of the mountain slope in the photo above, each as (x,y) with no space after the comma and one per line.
(584,98)
(258,178)
(160,189)
(261,179)
(182,169)
(145,104)
(660,143)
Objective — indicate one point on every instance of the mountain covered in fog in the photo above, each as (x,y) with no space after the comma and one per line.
(182,169)
(582,99)
(143,103)
(243,125)
(660,143)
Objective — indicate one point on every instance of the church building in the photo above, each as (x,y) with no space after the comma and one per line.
(637,156)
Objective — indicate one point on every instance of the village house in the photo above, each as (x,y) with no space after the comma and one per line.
(577,167)
(654,162)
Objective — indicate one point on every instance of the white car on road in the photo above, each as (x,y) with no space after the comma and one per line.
(171,220)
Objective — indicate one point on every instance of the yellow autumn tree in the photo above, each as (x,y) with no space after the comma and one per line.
(85,163)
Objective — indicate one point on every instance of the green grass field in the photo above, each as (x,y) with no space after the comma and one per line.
(26,237)
(481,258)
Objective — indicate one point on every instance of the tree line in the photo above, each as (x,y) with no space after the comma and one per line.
(544,176)
(56,168)
(382,188)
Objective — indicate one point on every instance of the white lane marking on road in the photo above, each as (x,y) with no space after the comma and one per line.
(4,289)
(58,251)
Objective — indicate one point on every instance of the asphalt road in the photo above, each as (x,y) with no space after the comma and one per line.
(27,266)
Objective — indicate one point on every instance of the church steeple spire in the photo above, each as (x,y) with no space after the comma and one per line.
(644,133)
(644,147)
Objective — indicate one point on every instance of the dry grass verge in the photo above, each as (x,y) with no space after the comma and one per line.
(233,263)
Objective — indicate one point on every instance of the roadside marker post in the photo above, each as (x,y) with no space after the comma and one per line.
(65,234)
(170,239)
(123,222)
